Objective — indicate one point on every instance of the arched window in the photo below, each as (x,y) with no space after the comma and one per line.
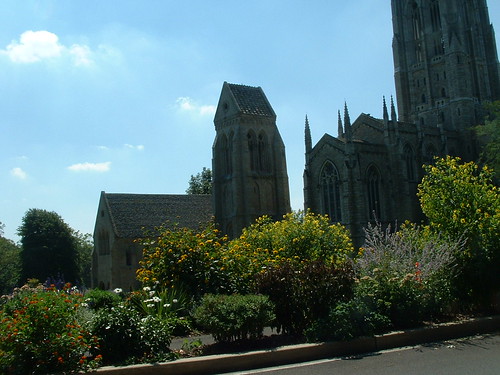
(330,192)
(253,151)
(263,145)
(103,243)
(410,162)
(225,154)
(435,15)
(373,191)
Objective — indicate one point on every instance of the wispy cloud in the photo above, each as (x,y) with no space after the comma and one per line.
(19,173)
(90,167)
(35,46)
(186,104)
(132,147)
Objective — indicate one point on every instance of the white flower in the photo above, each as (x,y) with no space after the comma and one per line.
(152,293)
(85,304)
(166,305)
(151,305)
(146,288)
(156,299)
(118,290)
(174,301)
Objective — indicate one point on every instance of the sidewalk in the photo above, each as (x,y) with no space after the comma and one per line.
(219,364)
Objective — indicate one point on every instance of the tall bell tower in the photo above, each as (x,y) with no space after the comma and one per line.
(445,60)
(249,166)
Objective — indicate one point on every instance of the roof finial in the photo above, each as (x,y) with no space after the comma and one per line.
(347,123)
(386,114)
(394,117)
(307,136)
(340,127)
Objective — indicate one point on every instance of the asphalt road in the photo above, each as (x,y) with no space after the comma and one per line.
(478,355)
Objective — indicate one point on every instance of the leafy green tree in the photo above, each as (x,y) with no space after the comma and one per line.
(489,135)
(85,246)
(460,199)
(201,183)
(49,248)
(9,263)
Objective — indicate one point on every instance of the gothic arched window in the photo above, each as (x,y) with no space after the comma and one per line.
(330,192)
(263,147)
(253,151)
(435,15)
(373,190)
(410,162)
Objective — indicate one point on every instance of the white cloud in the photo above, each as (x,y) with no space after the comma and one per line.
(35,46)
(19,173)
(186,104)
(138,147)
(90,167)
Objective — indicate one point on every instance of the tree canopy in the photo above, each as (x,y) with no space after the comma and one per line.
(201,183)
(49,248)
(489,136)
(9,263)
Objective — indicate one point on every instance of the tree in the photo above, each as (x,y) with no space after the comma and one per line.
(460,199)
(201,183)
(85,246)
(9,263)
(489,135)
(49,248)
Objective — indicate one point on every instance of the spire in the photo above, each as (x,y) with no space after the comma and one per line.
(386,114)
(394,117)
(347,123)
(308,137)
(340,127)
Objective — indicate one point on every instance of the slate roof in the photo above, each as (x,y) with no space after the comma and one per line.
(131,214)
(251,100)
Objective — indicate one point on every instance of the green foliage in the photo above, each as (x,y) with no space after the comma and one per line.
(233,317)
(127,337)
(40,333)
(410,271)
(460,199)
(49,248)
(348,320)
(97,299)
(84,248)
(304,292)
(169,305)
(186,260)
(10,265)
(489,134)
(201,183)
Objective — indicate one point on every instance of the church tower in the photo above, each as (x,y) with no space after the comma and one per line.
(445,60)
(249,166)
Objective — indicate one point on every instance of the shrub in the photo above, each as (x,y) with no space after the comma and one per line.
(305,292)
(40,333)
(461,199)
(233,317)
(124,335)
(348,320)
(184,259)
(98,299)
(172,306)
(410,270)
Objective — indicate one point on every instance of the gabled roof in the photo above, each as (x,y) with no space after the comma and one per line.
(251,100)
(133,214)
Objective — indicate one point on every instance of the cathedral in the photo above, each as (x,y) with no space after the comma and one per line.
(445,68)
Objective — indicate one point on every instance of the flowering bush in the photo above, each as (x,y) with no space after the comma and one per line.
(96,299)
(172,306)
(410,270)
(40,332)
(234,317)
(184,259)
(124,335)
(460,199)
(304,292)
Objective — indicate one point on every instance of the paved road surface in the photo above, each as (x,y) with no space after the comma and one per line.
(479,355)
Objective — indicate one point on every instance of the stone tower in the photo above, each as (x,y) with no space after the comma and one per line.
(249,166)
(445,61)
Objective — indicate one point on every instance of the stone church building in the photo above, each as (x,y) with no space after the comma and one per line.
(446,68)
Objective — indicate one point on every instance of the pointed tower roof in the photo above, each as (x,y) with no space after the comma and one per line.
(307,136)
(340,129)
(347,123)
(386,113)
(394,117)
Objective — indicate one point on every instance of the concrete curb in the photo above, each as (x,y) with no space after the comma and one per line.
(217,364)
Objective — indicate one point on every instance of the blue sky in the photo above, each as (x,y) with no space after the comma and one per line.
(119,95)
